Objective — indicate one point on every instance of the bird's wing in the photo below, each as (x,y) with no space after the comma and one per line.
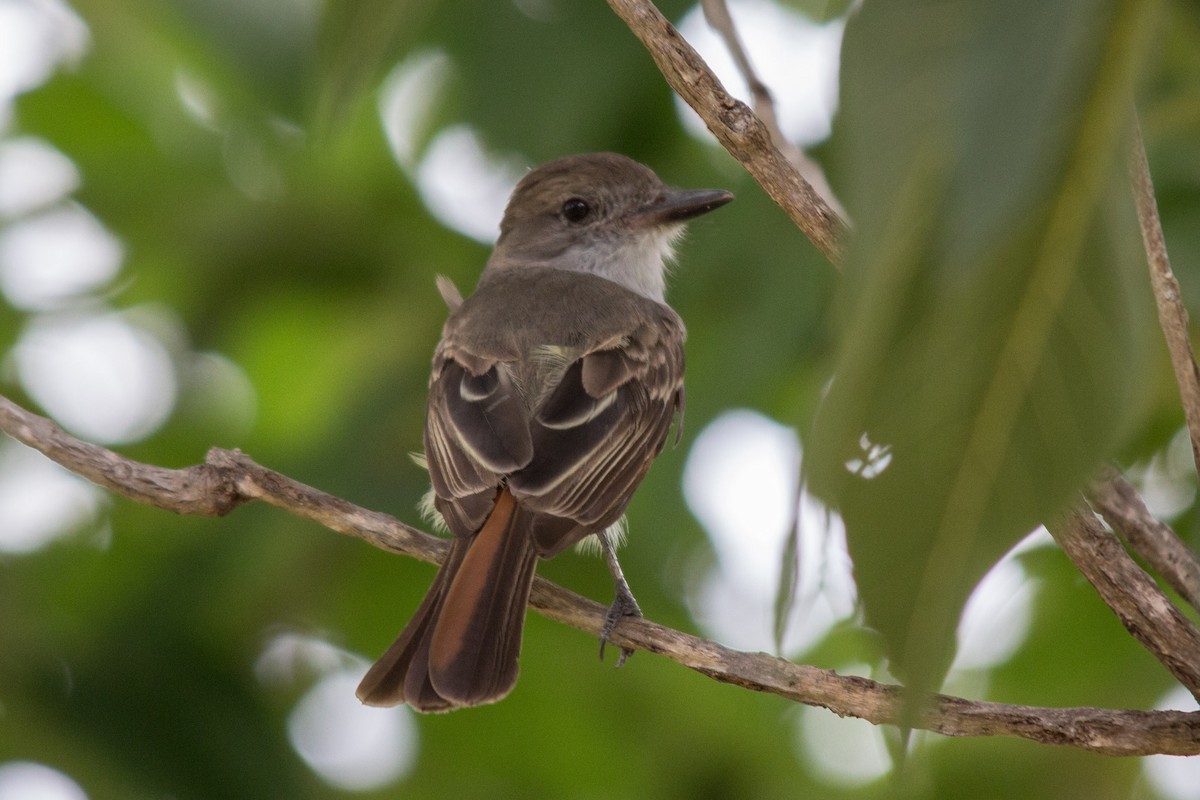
(569,410)
(476,432)
(598,429)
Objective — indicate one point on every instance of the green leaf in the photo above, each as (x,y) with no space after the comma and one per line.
(359,40)
(994,316)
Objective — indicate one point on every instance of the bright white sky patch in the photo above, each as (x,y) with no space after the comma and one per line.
(1173,777)
(350,745)
(464,186)
(33,174)
(997,617)
(740,481)
(98,375)
(40,500)
(843,752)
(56,255)
(28,780)
(35,37)
(795,57)
(290,655)
(1168,481)
(408,99)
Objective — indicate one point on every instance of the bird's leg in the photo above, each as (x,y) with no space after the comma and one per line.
(623,605)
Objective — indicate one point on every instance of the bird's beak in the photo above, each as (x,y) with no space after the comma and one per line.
(680,205)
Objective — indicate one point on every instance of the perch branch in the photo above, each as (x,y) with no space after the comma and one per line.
(224,481)
(228,478)
(1134,597)
(736,127)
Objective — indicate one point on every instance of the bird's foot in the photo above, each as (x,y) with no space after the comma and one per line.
(623,605)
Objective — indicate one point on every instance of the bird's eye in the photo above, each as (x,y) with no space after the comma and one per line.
(576,209)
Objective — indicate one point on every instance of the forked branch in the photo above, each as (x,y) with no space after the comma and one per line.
(229,478)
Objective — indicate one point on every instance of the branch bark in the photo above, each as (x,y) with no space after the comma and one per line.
(1172,314)
(736,127)
(716,12)
(1134,597)
(229,478)
(1125,511)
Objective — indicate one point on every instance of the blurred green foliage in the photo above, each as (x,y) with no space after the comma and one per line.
(285,237)
(996,315)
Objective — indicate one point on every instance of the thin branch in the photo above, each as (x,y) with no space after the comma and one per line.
(229,478)
(226,480)
(1159,546)
(1134,597)
(1108,731)
(195,490)
(1172,314)
(736,127)
(716,12)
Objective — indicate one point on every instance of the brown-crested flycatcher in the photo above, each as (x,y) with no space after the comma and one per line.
(553,388)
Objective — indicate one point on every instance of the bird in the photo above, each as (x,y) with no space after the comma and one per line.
(553,387)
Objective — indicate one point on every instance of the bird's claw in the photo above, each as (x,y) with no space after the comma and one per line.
(623,605)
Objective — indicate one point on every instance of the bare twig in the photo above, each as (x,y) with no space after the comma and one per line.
(1172,314)
(1123,509)
(736,127)
(226,479)
(716,13)
(721,21)
(1134,597)
(229,478)
(1112,732)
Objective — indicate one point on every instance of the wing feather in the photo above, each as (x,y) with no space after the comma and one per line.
(570,435)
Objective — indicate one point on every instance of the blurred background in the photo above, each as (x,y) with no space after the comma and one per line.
(220,223)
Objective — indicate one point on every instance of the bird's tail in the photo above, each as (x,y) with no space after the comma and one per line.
(461,646)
